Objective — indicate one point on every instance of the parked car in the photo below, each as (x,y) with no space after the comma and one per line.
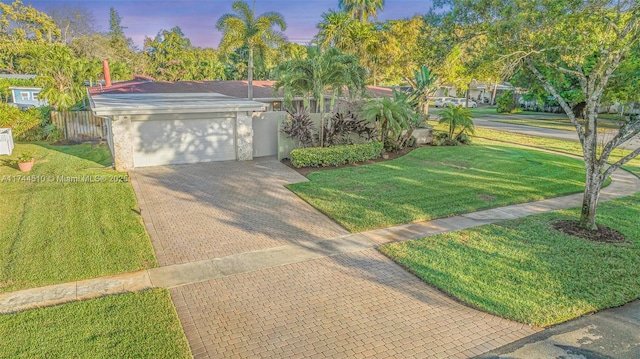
(463,102)
(442,101)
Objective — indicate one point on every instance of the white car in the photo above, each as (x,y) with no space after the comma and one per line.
(442,101)
(463,102)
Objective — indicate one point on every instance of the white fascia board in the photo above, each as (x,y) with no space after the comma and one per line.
(149,104)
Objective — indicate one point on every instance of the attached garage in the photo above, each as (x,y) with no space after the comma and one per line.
(187,138)
(166,129)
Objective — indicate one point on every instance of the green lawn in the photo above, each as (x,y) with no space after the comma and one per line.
(433,182)
(57,227)
(526,271)
(134,325)
(484,110)
(559,124)
(564,146)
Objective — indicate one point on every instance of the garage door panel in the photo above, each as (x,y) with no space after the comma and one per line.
(183,141)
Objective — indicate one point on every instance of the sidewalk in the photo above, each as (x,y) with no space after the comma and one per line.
(623,184)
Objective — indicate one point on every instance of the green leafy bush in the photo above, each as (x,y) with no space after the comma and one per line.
(20,122)
(33,124)
(335,155)
(506,102)
(443,139)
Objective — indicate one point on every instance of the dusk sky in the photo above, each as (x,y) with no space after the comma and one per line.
(197,18)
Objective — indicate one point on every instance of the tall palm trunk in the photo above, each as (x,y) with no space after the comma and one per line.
(250,74)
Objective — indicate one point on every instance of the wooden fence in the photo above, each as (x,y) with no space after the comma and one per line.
(79,125)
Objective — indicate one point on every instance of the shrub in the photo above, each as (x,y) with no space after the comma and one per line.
(506,102)
(343,126)
(33,124)
(336,155)
(443,139)
(20,122)
(299,127)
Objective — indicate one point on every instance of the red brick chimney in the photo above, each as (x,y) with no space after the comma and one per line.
(107,75)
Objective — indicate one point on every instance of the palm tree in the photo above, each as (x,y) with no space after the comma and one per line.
(333,29)
(391,115)
(321,72)
(362,9)
(244,29)
(457,117)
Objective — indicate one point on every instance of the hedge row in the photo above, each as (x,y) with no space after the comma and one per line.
(335,155)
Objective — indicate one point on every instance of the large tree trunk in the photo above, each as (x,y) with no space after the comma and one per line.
(250,75)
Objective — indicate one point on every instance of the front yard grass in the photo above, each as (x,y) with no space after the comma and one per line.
(527,271)
(434,182)
(564,146)
(72,217)
(133,325)
(559,124)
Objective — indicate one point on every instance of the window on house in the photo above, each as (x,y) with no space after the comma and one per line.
(35,95)
(277,106)
(24,95)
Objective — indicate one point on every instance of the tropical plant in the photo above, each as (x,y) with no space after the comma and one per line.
(245,29)
(321,72)
(58,78)
(299,126)
(422,85)
(342,127)
(392,117)
(457,117)
(362,9)
(333,29)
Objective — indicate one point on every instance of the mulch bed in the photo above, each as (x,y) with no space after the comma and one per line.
(390,155)
(603,234)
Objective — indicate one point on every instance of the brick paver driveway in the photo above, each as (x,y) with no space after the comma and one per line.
(358,305)
(350,305)
(209,210)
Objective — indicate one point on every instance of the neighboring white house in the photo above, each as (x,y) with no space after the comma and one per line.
(479,91)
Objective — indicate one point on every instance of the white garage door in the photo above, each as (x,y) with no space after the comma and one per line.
(163,140)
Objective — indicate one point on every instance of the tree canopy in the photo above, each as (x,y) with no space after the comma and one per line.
(567,45)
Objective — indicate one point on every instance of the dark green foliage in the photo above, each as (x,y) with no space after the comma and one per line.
(394,118)
(506,102)
(336,155)
(343,127)
(299,127)
(443,139)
